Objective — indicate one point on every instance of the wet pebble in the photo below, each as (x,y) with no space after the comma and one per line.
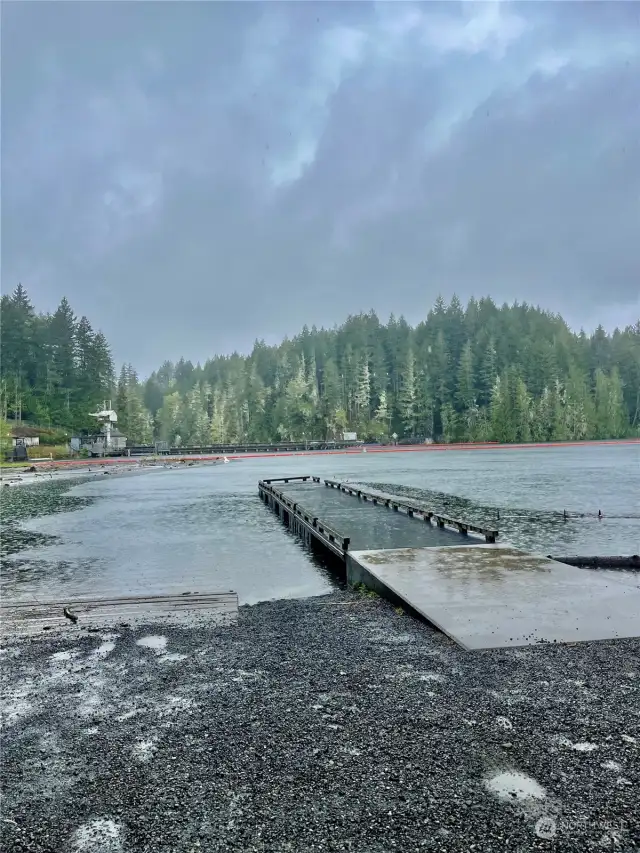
(309,726)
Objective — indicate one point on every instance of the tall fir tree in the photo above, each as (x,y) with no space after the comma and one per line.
(509,373)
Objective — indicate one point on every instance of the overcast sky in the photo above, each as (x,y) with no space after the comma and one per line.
(196,175)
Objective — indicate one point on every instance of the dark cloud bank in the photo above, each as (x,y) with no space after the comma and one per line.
(193,176)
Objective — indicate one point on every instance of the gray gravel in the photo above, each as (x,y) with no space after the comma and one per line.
(333,723)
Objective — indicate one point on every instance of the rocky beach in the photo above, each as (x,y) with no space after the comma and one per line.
(335,723)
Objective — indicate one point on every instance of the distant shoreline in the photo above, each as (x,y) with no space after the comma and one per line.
(409,448)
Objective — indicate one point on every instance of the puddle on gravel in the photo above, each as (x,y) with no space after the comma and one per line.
(153,641)
(59,657)
(582,746)
(103,650)
(103,835)
(512,785)
(144,749)
(172,657)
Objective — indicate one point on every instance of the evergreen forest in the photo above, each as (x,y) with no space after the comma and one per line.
(480,372)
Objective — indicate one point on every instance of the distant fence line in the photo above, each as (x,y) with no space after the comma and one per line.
(572,514)
(445,500)
(567,514)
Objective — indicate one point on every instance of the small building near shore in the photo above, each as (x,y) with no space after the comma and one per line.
(104,443)
(28,436)
(118,439)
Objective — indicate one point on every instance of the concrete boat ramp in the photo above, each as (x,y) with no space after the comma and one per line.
(481,594)
(493,596)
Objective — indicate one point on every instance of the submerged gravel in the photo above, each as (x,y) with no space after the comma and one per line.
(335,723)
(41,498)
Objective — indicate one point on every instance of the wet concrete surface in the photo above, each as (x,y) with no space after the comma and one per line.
(330,724)
(369,525)
(492,596)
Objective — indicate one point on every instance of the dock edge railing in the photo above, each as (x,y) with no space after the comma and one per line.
(333,539)
(410,508)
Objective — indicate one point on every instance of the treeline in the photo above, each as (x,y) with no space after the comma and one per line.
(54,368)
(507,374)
(474,373)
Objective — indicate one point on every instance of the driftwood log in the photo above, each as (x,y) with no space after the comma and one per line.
(631,562)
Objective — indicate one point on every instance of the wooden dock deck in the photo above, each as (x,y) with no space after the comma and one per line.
(342,517)
(480,594)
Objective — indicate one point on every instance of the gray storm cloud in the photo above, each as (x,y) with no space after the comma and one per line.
(237,170)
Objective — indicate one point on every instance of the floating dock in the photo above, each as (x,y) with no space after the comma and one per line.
(326,512)
(450,571)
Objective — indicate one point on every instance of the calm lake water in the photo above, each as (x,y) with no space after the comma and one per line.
(205,529)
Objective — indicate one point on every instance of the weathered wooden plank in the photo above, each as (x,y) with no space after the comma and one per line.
(192,598)
(303,479)
(32,616)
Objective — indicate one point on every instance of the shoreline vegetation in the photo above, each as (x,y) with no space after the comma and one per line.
(173,461)
(478,374)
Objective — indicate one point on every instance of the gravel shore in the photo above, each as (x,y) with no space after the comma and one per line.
(334,723)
